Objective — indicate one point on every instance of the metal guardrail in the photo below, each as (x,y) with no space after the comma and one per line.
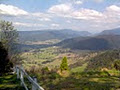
(20,75)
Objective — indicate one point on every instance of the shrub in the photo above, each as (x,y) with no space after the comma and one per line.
(117,65)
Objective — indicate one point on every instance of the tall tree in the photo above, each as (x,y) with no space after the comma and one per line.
(9,38)
(64,64)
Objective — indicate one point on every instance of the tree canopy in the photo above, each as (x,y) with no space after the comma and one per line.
(9,39)
(64,64)
(8,35)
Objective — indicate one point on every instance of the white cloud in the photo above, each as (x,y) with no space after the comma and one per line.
(39,14)
(66,10)
(98,1)
(113,8)
(11,10)
(111,14)
(44,19)
(55,25)
(61,9)
(21,24)
(86,14)
(68,21)
(27,24)
(78,2)
(110,18)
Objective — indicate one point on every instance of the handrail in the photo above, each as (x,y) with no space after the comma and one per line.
(20,75)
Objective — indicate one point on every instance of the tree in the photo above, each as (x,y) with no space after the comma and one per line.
(117,65)
(64,64)
(5,64)
(9,35)
(9,38)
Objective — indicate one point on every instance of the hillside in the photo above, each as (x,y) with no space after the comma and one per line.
(102,42)
(103,60)
(112,31)
(43,35)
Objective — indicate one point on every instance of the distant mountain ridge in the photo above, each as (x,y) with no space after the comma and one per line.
(50,34)
(101,42)
(115,31)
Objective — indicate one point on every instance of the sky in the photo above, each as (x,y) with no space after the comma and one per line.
(81,15)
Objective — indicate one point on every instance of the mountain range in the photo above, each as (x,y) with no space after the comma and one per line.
(82,40)
(50,34)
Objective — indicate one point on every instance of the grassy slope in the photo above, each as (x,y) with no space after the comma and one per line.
(79,68)
(88,83)
(80,81)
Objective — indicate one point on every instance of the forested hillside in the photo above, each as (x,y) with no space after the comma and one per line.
(105,59)
(102,42)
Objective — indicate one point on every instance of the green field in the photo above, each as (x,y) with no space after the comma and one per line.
(50,57)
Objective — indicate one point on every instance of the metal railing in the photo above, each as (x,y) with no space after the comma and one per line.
(20,75)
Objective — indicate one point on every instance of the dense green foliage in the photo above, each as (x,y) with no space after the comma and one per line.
(9,38)
(64,64)
(8,35)
(103,60)
(5,64)
(117,65)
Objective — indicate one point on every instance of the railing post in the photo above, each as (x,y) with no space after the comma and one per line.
(14,69)
(22,76)
(33,86)
(17,73)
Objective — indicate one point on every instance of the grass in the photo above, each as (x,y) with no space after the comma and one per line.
(92,80)
(89,83)
(10,82)
(79,69)
(80,82)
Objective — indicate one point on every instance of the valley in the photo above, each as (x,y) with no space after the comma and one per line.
(90,60)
